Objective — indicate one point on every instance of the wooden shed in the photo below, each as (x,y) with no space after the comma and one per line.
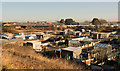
(35,44)
(71,52)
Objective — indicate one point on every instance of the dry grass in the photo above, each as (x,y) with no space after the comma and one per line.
(16,56)
(13,30)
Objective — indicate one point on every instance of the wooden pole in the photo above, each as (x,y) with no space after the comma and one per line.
(60,54)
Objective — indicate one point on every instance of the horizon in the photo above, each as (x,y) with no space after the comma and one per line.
(54,11)
(58,20)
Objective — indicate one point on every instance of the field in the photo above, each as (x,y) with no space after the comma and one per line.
(16,56)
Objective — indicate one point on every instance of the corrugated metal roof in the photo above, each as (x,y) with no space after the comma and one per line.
(38,33)
(74,41)
(83,39)
(4,34)
(71,48)
(33,42)
(87,39)
(101,45)
(99,33)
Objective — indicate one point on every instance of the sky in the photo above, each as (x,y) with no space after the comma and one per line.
(0,11)
(52,11)
(59,0)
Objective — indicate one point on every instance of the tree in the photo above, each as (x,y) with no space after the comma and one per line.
(62,21)
(100,29)
(96,21)
(103,21)
(69,21)
(87,22)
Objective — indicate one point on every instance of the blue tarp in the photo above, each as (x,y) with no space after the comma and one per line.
(59,50)
(88,36)
(13,37)
(4,34)
(3,24)
(16,34)
(77,60)
(27,36)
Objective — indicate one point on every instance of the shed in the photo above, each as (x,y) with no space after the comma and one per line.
(102,50)
(77,33)
(27,37)
(39,35)
(62,33)
(49,32)
(88,39)
(102,45)
(72,52)
(31,36)
(35,44)
(74,43)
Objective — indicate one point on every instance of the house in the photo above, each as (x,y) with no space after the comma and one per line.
(48,22)
(36,45)
(39,35)
(79,39)
(99,35)
(10,35)
(3,24)
(69,31)
(31,36)
(105,24)
(114,25)
(74,43)
(4,36)
(62,32)
(6,24)
(49,32)
(71,52)
(24,27)
(102,35)
(77,33)
(87,42)
(96,53)
(18,27)
(27,37)
(17,36)
(83,30)
(84,41)
(101,51)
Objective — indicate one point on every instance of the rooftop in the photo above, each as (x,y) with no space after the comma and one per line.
(101,45)
(71,48)
(74,41)
(99,32)
(83,39)
(33,42)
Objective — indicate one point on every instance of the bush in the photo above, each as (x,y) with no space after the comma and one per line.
(4,68)
(100,29)
(10,30)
